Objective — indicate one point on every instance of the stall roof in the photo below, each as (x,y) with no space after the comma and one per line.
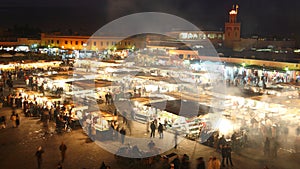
(164,79)
(62,76)
(183,108)
(90,84)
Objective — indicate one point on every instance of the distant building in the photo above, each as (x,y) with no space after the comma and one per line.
(88,42)
(20,41)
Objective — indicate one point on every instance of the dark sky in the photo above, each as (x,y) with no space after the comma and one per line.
(264,17)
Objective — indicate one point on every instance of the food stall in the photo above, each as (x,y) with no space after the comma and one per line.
(101,123)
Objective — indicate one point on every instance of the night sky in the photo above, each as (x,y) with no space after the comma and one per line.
(264,17)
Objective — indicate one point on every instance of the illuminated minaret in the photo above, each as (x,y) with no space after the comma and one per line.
(232,28)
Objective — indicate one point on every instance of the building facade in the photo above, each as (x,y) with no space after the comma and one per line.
(88,42)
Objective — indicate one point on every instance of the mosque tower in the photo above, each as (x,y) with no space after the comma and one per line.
(232,28)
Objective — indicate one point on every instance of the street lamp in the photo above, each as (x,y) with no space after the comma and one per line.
(49,52)
(84,45)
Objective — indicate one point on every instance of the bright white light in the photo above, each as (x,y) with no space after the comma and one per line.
(61,84)
(233,12)
(297,50)
(225,126)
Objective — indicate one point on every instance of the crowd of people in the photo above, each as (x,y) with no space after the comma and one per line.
(271,136)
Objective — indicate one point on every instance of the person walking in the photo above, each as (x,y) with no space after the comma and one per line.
(201,163)
(13,119)
(274,146)
(123,133)
(160,130)
(228,154)
(38,155)
(59,166)
(298,130)
(103,166)
(185,162)
(222,142)
(267,147)
(17,120)
(63,149)
(176,162)
(233,140)
(116,128)
(152,127)
(3,122)
(223,152)
(176,139)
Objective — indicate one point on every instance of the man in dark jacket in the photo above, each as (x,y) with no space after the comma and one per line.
(224,154)
(160,130)
(152,127)
(228,154)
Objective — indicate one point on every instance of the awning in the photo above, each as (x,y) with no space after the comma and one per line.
(183,108)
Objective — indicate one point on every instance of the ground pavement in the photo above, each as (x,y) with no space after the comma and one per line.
(18,146)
